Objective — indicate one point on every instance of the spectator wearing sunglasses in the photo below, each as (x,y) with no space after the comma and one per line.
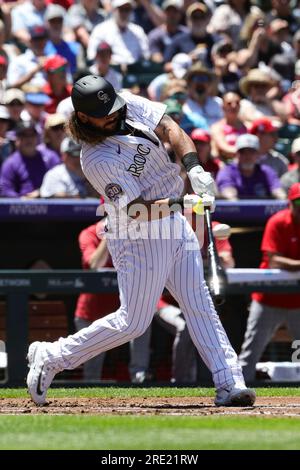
(201,109)
(35,104)
(54,133)
(280,249)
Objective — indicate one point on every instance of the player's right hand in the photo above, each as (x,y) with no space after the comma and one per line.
(201,181)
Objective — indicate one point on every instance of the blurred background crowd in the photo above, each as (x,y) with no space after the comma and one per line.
(229,75)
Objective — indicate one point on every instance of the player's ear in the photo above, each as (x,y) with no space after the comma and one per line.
(83,117)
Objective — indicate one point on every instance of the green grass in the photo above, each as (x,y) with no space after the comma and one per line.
(116,392)
(155,432)
(147,432)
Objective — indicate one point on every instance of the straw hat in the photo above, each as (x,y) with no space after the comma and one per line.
(255,76)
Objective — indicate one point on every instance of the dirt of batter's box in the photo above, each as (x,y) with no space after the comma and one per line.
(268,406)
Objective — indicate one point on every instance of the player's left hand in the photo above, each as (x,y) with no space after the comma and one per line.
(201,181)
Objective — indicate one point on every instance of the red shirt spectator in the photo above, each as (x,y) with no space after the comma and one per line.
(282,237)
(57,87)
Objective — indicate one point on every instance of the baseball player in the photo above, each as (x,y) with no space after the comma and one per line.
(151,242)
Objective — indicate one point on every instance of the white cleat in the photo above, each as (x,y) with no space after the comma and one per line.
(40,374)
(235,397)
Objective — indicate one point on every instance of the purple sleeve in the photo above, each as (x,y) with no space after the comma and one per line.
(8,180)
(225,178)
(272,178)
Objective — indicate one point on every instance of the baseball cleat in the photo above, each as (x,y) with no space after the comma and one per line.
(235,397)
(40,374)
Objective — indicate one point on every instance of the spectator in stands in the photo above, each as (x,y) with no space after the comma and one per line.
(229,17)
(3,74)
(148,14)
(57,87)
(57,45)
(261,97)
(283,9)
(14,100)
(26,15)
(197,41)
(6,146)
(201,109)
(91,307)
(83,17)
(224,62)
(281,250)
(292,176)
(102,66)
(292,99)
(54,132)
(128,41)
(161,36)
(202,141)
(267,132)
(28,67)
(248,179)
(67,179)
(22,173)
(35,109)
(225,132)
(179,66)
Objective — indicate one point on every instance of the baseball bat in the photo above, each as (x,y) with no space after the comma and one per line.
(216,277)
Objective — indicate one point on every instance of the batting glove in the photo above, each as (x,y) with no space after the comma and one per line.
(201,181)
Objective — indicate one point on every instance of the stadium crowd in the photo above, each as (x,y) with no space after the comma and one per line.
(227,71)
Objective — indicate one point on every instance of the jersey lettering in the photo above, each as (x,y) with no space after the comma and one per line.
(139,159)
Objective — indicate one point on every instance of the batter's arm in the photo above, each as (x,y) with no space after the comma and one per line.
(169,131)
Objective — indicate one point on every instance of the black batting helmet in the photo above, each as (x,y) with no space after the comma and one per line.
(96,97)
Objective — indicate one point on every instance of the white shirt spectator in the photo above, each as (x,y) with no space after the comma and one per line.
(59,180)
(128,46)
(22,65)
(25,16)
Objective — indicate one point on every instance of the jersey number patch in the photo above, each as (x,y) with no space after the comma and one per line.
(113,191)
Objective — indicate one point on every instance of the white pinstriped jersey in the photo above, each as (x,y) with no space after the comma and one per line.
(125,167)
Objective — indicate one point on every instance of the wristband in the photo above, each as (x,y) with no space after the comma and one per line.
(176,200)
(190,160)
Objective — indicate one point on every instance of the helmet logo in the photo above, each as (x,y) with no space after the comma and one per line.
(103,96)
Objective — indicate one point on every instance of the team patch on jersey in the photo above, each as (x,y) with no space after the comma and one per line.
(113,191)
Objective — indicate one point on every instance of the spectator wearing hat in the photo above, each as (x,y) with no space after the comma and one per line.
(102,66)
(83,17)
(283,10)
(247,178)
(225,131)
(54,133)
(14,100)
(56,45)
(201,109)
(6,146)
(67,179)
(22,173)
(267,132)
(178,68)
(260,91)
(281,250)
(57,87)
(35,104)
(197,41)
(128,41)
(25,16)
(28,67)
(161,36)
(293,175)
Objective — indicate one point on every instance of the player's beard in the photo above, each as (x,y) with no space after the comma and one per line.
(86,132)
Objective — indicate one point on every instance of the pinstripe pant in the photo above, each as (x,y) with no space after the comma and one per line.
(144,268)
